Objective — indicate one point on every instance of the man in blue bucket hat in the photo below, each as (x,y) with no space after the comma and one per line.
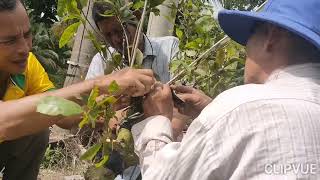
(268,129)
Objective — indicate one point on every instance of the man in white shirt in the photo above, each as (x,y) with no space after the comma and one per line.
(157,51)
(266,129)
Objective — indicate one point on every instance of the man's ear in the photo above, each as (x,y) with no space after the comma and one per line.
(274,35)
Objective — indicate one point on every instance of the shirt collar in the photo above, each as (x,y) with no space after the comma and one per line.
(148,47)
(308,70)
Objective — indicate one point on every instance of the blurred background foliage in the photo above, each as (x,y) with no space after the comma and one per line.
(194,26)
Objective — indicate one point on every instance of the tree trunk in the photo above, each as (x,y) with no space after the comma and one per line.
(82,51)
(159,26)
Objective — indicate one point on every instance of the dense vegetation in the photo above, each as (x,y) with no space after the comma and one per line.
(195,27)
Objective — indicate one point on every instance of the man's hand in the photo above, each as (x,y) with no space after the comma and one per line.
(132,82)
(195,100)
(159,102)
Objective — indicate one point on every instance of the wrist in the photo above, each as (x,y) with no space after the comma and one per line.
(102,83)
(168,115)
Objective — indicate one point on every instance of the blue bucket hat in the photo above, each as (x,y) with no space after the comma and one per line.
(301,17)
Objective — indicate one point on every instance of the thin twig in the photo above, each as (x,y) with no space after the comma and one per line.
(126,37)
(217,45)
(91,138)
(139,34)
(97,32)
(92,26)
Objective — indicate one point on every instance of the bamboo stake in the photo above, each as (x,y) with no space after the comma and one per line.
(139,34)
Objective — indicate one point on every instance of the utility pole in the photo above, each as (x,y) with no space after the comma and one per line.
(82,51)
(163,25)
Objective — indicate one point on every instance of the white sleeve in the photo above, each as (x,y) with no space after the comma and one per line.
(96,67)
(159,155)
(174,48)
(150,136)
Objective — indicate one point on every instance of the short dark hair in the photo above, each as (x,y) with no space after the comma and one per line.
(299,46)
(8,5)
(98,9)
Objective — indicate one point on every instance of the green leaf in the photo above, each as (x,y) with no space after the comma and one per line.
(125,136)
(117,58)
(92,98)
(192,45)
(103,161)
(201,72)
(72,7)
(113,87)
(154,3)
(84,121)
(54,106)
(107,148)
(93,116)
(191,53)
(68,34)
(179,33)
(61,7)
(91,152)
(83,3)
(220,56)
(108,13)
(138,5)
(70,17)
(139,58)
(109,67)
(204,24)
(108,100)
(126,7)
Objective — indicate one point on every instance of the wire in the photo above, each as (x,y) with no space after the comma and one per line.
(133,172)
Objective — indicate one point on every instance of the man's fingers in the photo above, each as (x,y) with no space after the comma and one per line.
(138,90)
(182,89)
(167,90)
(147,81)
(147,72)
(185,97)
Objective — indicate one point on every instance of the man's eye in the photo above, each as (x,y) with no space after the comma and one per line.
(27,35)
(8,42)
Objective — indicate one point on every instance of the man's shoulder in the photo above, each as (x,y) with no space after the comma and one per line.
(33,64)
(251,96)
(238,96)
(165,39)
(98,57)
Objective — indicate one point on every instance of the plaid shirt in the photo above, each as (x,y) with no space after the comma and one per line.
(255,131)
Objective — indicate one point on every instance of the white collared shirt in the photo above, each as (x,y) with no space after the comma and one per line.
(265,131)
(163,48)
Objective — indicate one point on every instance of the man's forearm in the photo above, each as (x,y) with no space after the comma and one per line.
(19,117)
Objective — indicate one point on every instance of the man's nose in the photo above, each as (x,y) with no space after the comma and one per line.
(23,47)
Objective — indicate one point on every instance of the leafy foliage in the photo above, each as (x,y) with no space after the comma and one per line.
(44,11)
(54,106)
(198,31)
(122,142)
(242,4)
(46,48)
(68,34)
